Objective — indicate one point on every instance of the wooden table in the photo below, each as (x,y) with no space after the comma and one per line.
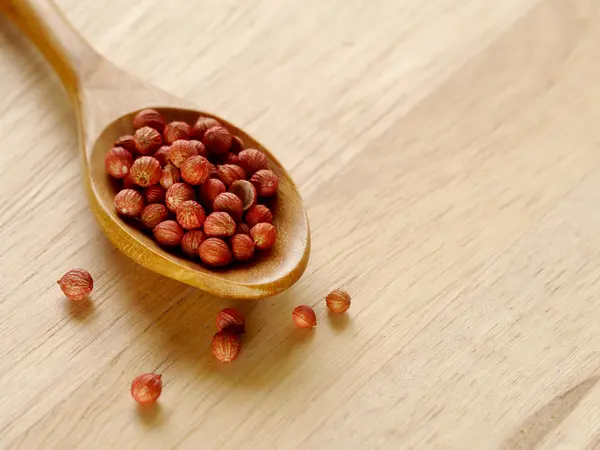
(449,155)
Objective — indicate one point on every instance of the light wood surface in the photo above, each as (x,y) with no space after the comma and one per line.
(448,155)
(105,99)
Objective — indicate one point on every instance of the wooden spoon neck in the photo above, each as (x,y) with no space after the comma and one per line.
(100,91)
(64,48)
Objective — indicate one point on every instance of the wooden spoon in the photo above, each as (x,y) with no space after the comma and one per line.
(105,99)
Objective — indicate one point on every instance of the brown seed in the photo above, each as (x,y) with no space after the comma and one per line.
(242,228)
(129,202)
(264,235)
(213,171)
(127,142)
(146,388)
(190,244)
(203,124)
(246,193)
(147,141)
(149,118)
(237,145)
(162,155)
(252,160)
(118,162)
(232,158)
(228,173)
(145,171)
(200,148)
(76,284)
(195,170)
(219,224)
(210,190)
(242,247)
(177,130)
(169,176)
(128,183)
(226,346)
(230,319)
(217,140)
(190,215)
(338,301)
(180,151)
(229,203)
(257,214)
(168,233)
(304,317)
(177,194)
(215,252)
(154,214)
(154,194)
(265,181)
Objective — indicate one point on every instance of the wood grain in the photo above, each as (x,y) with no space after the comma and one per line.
(447,152)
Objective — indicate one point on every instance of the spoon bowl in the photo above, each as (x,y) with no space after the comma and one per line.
(106,100)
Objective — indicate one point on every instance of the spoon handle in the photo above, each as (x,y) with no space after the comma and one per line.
(64,48)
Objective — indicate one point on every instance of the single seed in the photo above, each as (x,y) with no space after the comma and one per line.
(213,171)
(265,181)
(264,235)
(195,170)
(190,215)
(145,171)
(237,145)
(246,193)
(162,155)
(338,301)
(229,203)
(154,214)
(149,118)
(118,162)
(304,317)
(232,158)
(146,388)
(217,140)
(242,228)
(177,130)
(215,252)
(129,202)
(177,194)
(219,224)
(230,319)
(154,194)
(242,247)
(200,148)
(169,176)
(252,160)
(127,142)
(76,284)
(190,244)
(168,233)
(226,346)
(147,141)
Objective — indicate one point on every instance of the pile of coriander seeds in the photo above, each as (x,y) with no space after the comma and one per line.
(195,188)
